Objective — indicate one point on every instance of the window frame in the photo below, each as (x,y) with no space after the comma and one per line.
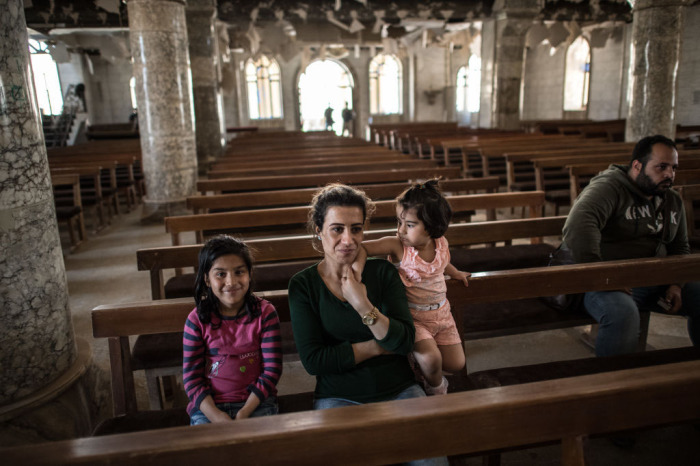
(263,78)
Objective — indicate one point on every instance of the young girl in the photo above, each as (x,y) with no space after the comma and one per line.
(423,217)
(231,344)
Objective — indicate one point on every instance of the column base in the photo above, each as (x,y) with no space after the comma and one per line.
(153,212)
(67,408)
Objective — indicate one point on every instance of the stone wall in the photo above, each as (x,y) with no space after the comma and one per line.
(688,106)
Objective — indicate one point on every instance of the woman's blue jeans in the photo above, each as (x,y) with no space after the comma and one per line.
(414,391)
(617,314)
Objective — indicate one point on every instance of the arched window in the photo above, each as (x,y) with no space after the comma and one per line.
(385,85)
(264,88)
(46,82)
(578,75)
(468,92)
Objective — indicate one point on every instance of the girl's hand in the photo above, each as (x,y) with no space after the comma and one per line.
(219,416)
(244,413)
(462,276)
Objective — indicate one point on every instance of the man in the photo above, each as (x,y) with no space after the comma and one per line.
(348,115)
(629,212)
(328,115)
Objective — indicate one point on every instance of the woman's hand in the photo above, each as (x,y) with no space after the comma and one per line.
(354,291)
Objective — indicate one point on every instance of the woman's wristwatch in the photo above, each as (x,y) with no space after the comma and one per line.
(371,317)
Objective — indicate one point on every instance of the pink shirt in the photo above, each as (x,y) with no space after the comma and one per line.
(232,360)
(425,282)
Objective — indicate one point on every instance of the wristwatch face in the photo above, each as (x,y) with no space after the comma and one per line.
(370,318)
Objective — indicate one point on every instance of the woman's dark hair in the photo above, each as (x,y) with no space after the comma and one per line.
(334,195)
(642,150)
(431,206)
(205,299)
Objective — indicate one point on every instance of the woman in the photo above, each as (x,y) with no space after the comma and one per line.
(352,333)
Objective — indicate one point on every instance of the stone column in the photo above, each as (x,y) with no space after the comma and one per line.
(158,36)
(656,42)
(39,361)
(513,20)
(36,335)
(201,32)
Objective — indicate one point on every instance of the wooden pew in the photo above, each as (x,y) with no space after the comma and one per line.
(691,197)
(295,248)
(341,168)
(564,411)
(288,197)
(118,322)
(72,215)
(280,258)
(290,220)
(265,183)
(228,163)
(92,172)
(578,171)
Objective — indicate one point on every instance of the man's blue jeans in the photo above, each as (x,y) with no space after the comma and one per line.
(617,314)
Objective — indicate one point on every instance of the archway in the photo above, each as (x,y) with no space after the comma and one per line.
(322,84)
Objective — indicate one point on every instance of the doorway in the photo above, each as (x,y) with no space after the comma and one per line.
(324,84)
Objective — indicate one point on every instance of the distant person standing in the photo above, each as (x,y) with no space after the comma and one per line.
(329,118)
(348,115)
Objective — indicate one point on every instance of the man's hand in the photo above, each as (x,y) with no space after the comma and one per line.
(673,297)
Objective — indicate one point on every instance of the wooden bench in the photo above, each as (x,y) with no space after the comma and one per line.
(118,322)
(277,260)
(302,169)
(563,411)
(227,163)
(72,215)
(296,248)
(579,172)
(93,199)
(691,198)
(265,183)
(291,220)
(289,197)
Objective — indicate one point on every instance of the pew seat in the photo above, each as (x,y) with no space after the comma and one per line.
(160,419)
(174,417)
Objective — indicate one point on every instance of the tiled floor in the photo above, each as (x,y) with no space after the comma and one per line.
(103,271)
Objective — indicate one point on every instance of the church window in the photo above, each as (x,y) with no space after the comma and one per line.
(578,75)
(468,92)
(264,87)
(385,85)
(46,82)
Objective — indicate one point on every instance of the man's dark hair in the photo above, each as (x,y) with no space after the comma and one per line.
(642,150)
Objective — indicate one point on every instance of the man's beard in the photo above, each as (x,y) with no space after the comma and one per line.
(648,187)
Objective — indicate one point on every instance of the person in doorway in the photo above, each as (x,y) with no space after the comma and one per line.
(328,114)
(629,212)
(348,116)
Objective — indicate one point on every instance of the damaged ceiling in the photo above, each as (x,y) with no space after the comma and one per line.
(44,15)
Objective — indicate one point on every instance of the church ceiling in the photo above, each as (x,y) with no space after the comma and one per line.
(44,15)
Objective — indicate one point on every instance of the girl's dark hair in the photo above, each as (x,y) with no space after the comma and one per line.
(431,206)
(205,299)
(334,195)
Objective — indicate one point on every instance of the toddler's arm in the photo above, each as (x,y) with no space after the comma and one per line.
(455,274)
(376,247)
